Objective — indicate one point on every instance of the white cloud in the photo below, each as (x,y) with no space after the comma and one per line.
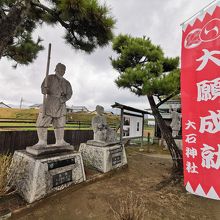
(92,76)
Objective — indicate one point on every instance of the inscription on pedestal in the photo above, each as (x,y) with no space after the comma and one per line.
(116,155)
(62,178)
(60,163)
(116,160)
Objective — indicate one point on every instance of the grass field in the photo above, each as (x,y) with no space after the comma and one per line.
(31,114)
(14,113)
(24,119)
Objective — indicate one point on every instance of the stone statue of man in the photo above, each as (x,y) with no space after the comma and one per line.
(176,122)
(57,92)
(102,132)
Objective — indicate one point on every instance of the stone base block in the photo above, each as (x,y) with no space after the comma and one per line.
(105,158)
(101,144)
(37,176)
(49,149)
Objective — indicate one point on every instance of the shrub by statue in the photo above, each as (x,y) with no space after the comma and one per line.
(5,162)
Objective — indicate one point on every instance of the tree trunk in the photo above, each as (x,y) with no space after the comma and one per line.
(167,135)
(9,24)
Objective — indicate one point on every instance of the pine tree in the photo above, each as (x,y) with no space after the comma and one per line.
(145,71)
(87,25)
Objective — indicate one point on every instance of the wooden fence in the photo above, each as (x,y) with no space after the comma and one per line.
(18,140)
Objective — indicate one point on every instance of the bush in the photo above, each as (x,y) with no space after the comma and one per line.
(130,207)
(5,162)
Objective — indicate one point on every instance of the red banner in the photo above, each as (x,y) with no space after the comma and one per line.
(200,91)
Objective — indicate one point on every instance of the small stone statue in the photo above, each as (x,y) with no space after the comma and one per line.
(176,122)
(102,132)
(58,91)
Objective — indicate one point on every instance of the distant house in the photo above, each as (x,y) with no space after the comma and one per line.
(35,106)
(109,113)
(106,112)
(76,109)
(165,113)
(3,105)
(68,108)
(165,108)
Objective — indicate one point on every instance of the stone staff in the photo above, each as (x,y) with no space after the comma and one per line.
(47,73)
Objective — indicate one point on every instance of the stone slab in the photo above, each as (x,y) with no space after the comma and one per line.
(49,149)
(37,176)
(105,158)
(101,144)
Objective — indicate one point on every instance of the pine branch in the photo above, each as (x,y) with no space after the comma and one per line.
(138,90)
(167,98)
(51,12)
(2,13)
(57,17)
(159,98)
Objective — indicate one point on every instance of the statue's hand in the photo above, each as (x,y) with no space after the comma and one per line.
(45,90)
(100,126)
(63,98)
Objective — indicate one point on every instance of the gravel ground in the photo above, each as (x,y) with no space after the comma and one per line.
(145,171)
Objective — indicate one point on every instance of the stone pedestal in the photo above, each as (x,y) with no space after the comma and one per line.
(37,176)
(104,157)
(49,149)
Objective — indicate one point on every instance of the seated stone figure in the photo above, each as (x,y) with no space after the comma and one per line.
(102,132)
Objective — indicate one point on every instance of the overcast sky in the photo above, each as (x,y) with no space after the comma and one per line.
(92,76)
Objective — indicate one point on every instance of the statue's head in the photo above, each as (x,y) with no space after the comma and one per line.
(60,69)
(99,109)
(173,108)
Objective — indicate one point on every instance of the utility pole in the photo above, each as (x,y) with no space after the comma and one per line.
(21,102)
